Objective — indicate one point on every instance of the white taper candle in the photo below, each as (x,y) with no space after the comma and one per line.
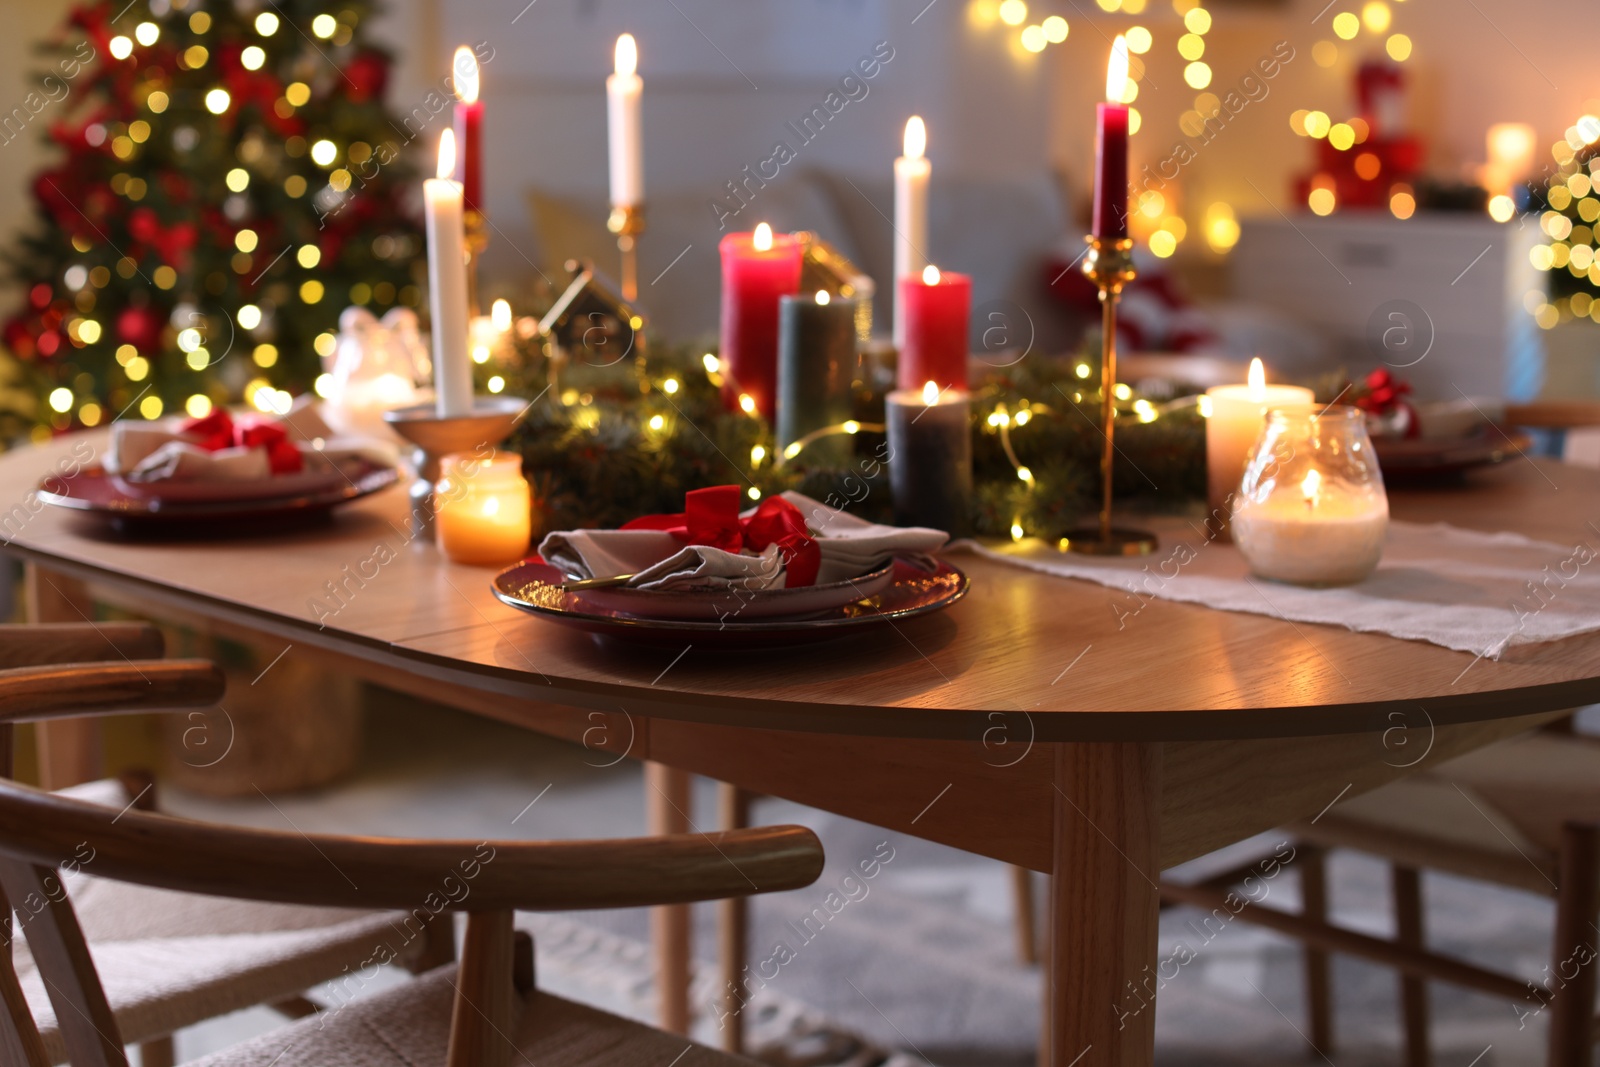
(623,91)
(911,173)
(447,285)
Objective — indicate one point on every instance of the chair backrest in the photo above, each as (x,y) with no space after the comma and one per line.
(41,832)
(51,645)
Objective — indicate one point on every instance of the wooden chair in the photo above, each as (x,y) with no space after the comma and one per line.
(170,960)
(1523,814)
(478,1016)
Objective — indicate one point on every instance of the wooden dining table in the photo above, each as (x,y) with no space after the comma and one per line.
(1032,722)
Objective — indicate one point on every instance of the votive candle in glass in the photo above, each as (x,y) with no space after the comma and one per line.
(484,509)
(1311,508)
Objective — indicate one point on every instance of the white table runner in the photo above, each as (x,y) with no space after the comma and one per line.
(1469,591)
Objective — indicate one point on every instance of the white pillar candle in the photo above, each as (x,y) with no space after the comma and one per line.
(1321,535)
(447,285)
(1237,414)
(623,90)
(911,173)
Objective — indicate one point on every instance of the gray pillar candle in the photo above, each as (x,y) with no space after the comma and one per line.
(816,366)
(930,458)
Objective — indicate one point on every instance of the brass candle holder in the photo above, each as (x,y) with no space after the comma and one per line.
(1109,264)
(477,231)
(627,222)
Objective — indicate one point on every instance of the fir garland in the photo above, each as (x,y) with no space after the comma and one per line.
(635,441)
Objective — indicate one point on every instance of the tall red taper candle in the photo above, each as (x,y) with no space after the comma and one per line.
(1111,150)
(757,270)
(468,128)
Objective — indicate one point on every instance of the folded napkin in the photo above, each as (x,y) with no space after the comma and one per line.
(788,541)
(220,448)
(1474,592)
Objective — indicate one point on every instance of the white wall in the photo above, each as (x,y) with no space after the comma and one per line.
(990,107)
(1475,63)
(721,80)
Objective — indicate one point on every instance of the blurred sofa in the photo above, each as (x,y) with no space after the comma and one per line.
(1000,231)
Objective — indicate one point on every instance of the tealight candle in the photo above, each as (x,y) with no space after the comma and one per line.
(1237,414)
(1311,508)
(484,509)
(816,369)
(930,457)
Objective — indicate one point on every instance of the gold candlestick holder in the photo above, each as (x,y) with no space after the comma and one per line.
(1109,264)
(627,222)
(477,231)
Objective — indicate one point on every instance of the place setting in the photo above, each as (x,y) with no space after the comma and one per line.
(789,570)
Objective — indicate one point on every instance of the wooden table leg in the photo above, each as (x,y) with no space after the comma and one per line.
(733,926)
(667,802)
(69,749)
(1104,904)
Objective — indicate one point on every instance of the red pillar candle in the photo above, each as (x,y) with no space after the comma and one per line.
(468,128)
(1111,150)
(935,349)
(758,269)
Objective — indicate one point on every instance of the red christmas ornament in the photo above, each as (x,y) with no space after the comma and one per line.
(139,327)
(18,337)
(367,76)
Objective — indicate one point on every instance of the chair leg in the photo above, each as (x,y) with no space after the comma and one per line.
(667,802)
(733,927)
(158,1053)
(1407,883)
(524,971)
(483,1015)
(1046,974)
(1022,905)
(1574,976)
(438,945)
(1312,862)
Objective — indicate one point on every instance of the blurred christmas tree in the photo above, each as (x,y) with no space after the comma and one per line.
(230,182)
(1568,204)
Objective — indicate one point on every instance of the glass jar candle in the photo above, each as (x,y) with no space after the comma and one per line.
(1311,509)
(484,508)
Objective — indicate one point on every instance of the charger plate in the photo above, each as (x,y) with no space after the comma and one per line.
(96,492)
(535,586)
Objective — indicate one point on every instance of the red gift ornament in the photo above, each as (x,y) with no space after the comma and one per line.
(711,517)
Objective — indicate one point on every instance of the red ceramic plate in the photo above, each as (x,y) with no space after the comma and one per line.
(535,586)
(95,492)
(1429,459)
(747,605)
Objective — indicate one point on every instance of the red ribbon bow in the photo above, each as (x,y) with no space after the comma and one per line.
(1385,395)
(218,431)
(711,517)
